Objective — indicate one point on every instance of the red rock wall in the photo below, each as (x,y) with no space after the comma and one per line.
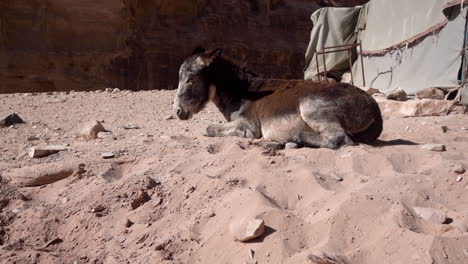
(139,44)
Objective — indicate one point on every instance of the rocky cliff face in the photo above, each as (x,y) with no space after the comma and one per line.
(133,44)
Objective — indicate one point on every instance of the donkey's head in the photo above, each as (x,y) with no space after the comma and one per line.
(195,87)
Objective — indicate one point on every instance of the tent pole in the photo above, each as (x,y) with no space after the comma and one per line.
(350,66)
(362,65)
(318,66)
(324,67)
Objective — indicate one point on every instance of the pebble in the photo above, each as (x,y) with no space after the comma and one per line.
(291,145)
(91,130)
(140,200)
(131,126)
(459,179)
(434,147)
(128,223)
(10,120)
(40,152)
(107,155)
(459,169)
(398,95)
(444,129)
(430,214)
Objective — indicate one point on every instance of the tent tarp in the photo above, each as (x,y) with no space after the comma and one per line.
(434,60)
(332,27)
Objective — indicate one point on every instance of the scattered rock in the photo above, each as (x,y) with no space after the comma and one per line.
(150,183)
(128,223)
(105,134)
(430,93)
(444,129)
(397,95)
(291,145)
(10,120)
(40,152)
(98,209)
(247,229)
(434,147)
(107,155)
(372,91)
(140,200)
(33,138)
(43,174)
(459,169)
(115,90)
(169,117)
(90,130)
(4,203)
(131,126)
(335,177)
(459,179)
(430,214)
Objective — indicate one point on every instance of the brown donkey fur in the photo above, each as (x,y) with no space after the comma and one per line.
(312,114)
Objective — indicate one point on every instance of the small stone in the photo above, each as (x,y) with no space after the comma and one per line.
(169,117)
(128,223)
(372,91)
(335,177)
(10,120)
(140,200)
(459,169)
(430,214)
(291,145)
(107,155)
(33,138)
(115,90)
(131,126)
(91,129)
(444,129)
(98,209)
(459,179)
(150,183)
(434,147)
(397,95)
(103,135)
(247,229)
(40,152)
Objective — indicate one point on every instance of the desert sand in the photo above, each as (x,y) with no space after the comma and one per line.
(170,194)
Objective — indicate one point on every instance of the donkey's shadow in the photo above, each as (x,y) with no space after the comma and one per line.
(393,142)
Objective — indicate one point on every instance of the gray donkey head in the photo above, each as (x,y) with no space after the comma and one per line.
(195,89)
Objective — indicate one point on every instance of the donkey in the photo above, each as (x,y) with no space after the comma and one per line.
(310,114)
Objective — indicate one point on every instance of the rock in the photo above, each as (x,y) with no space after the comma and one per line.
(430,214)
(33,138)
(169,117)
(140,200)
(91,130)
(291,145)
(98,209)
(116,90)
(459,169)
(397,95)
(40,152)
(4,203)
(430,93)
(346,78)
(434,147)
(128,223)
(247,229)
(150,183)
(105,134)
(107,155)
(335,177)
(444,129)
(372,91)
(10,120)
(459,179)
(412,108)
(43,174)
(131,126)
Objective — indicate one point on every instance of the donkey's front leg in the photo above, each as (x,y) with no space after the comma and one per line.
(239,128)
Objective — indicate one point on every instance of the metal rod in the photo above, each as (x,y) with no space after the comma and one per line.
(318,66)
(324,68)
(362,66)
(350,66)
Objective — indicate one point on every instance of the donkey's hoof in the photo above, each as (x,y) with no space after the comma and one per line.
(212,131)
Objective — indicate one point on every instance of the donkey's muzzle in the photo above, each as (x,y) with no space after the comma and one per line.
(181,114)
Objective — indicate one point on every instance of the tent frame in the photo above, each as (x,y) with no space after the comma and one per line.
(339,48)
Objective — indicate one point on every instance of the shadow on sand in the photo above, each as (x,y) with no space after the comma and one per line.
(394,142)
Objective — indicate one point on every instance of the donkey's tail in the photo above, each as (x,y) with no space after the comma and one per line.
(369,135)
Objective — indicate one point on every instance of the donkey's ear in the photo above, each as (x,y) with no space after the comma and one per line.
(198,50)
(215,53)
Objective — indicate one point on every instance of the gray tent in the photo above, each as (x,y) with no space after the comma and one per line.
(405,44)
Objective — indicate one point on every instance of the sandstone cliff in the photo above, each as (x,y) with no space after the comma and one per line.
(133,44)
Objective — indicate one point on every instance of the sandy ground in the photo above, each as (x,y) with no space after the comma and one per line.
(203,185)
